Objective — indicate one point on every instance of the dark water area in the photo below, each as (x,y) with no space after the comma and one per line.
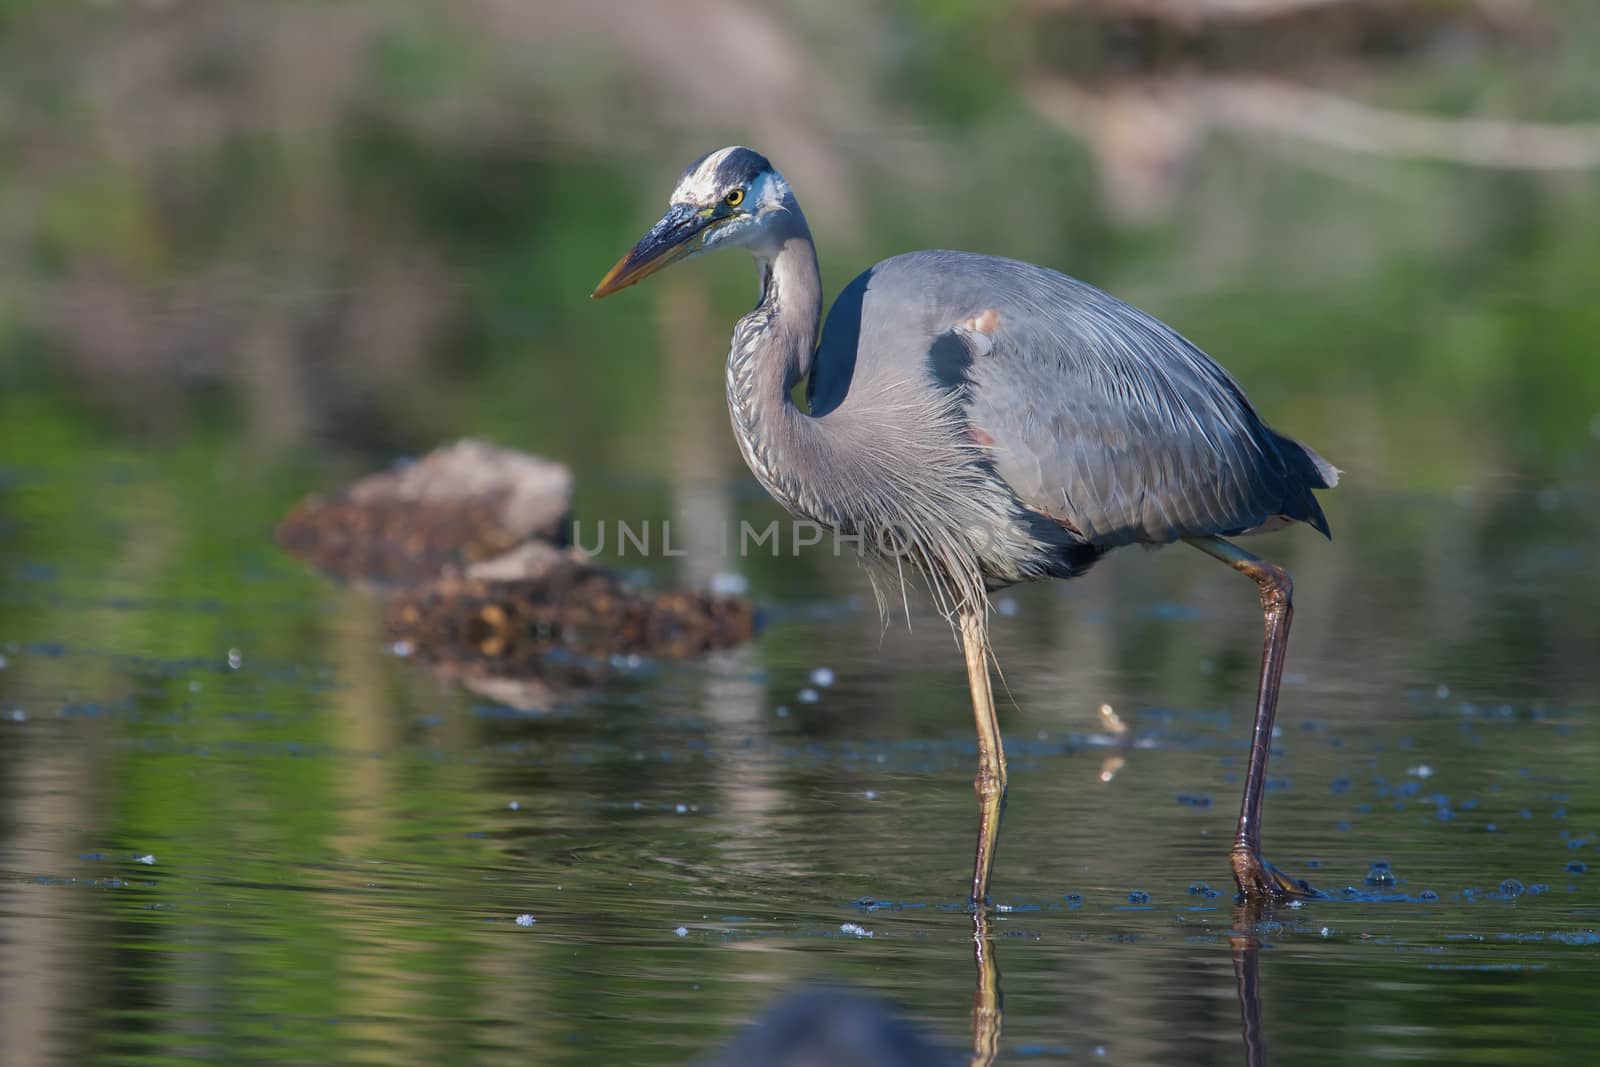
(235,825)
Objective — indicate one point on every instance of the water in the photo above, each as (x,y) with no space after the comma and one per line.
(237,827)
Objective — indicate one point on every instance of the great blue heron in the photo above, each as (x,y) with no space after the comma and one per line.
(990,422)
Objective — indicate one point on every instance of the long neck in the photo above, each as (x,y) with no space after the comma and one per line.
(773,347)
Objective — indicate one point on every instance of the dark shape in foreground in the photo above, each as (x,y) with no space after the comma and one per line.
(466,546)
(831,1027)
(989,422)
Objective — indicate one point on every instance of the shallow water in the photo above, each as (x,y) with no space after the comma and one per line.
(234,826)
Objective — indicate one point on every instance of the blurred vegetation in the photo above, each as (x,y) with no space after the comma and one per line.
(370,227)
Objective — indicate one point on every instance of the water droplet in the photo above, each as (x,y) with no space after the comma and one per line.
(526,920)
(1577,867)
(1511,888)
(728,583)
(1138,896)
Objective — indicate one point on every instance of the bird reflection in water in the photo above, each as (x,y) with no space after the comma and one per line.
(836,1026)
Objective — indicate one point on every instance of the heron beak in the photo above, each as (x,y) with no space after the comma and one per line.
(679,235)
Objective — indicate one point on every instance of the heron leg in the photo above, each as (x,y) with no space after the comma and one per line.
(1254,876)
(990,782)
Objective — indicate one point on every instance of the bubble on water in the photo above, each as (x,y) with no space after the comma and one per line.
(808,696)
(1138,896)
(871,794)
(682,931)
(515,805)
(526,920)
(854,930)
(1577,867)
(1421,770)
(822,677)
(1073,900)
(1380,876)
(235,659)
(729,583)
(1427,896)
(1511,888)
(1326,931)
(1538,887)
(681,809)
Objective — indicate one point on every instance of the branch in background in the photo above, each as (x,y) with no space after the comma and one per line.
(1143,132)
(1192,13)
(1324,118)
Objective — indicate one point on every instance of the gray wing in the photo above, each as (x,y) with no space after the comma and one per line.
(1094,413)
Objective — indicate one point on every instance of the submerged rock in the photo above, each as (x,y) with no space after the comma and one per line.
(467,545)
(839,1027)
(458,505)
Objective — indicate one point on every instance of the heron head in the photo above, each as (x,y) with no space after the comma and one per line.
(731,197)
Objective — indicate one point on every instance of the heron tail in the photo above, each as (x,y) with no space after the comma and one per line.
(1312,472)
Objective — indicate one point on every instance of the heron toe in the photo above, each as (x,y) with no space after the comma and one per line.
(1256,878)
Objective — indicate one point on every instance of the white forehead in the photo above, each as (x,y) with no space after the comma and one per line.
(700,184)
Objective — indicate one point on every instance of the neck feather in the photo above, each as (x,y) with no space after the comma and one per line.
(772,351)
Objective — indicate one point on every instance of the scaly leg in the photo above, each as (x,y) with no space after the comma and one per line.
(991,780)
(1254,876)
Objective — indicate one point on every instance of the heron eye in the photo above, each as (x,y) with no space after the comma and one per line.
(735,198)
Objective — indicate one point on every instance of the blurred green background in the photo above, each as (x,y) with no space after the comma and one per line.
(249,249)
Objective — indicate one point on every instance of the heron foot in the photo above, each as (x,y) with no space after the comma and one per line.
(1258,879)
